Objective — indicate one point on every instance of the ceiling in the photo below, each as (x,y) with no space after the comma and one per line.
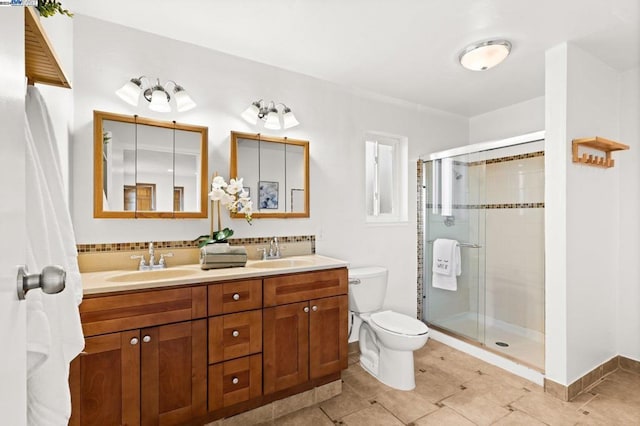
(402,49)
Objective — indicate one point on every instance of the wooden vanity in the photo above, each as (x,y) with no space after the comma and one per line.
(196,352)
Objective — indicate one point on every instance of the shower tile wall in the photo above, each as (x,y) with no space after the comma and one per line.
(515,244)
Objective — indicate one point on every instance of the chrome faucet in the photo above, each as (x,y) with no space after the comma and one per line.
(274,249)
(144,266)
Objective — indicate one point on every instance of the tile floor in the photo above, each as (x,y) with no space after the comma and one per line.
(453,388)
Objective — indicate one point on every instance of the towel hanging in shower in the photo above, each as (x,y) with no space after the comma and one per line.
(447,265)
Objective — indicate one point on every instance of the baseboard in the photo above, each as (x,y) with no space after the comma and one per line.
(584,383)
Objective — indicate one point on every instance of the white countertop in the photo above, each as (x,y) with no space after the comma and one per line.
(125,280)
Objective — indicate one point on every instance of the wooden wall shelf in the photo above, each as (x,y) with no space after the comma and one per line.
(600,144)
(41,63)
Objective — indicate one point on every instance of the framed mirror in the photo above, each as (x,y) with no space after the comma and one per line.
(145,168)
(275,172)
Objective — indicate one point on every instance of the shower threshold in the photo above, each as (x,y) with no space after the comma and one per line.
(520,350)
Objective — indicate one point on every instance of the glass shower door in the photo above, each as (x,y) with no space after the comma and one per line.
(454,188)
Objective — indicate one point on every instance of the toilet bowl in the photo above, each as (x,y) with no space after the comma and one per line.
(387,339)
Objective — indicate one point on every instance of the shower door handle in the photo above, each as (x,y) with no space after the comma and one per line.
(51,280)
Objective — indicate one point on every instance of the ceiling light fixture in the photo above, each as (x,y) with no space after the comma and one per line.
(156,94)
(484,55)
(271,115)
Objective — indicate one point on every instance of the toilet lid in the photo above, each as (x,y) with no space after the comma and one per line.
(399,323)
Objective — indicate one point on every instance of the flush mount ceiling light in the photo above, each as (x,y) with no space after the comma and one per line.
(156,94)
(271,115)
(484,55)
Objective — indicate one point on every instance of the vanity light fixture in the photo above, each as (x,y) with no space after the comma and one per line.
(271,115)
(483,55)
(156,94)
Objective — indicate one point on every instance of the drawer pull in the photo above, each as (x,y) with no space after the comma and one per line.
(134,341)
(235,380)
(236,296)
(235,333)
(146,339)
(306,309)
(314,308)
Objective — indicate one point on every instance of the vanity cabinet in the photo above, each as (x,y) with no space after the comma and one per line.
(235,343)
(305,328)
(145,359)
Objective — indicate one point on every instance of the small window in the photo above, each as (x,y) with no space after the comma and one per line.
(386,178)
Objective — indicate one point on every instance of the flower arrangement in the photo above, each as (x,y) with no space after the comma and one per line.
(234,198)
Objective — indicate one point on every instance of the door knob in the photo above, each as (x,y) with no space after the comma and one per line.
(51,280)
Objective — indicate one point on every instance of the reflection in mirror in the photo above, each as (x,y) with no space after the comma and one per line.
(275,173)
(148,168)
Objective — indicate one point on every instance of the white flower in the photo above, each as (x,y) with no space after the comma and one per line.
(235,186)
(218,182)
(217,194)
(246,208)
(232,196)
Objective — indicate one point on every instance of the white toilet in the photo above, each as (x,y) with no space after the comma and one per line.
(387,338)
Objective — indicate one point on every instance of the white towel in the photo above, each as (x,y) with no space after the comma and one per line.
(446,264)
(50,241)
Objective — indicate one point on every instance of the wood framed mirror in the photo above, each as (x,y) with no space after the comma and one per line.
(145,168)
(275,172)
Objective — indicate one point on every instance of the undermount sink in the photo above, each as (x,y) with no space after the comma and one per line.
(281,263)
(153,275)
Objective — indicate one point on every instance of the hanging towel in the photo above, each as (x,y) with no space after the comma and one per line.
(50,241)
(446,264)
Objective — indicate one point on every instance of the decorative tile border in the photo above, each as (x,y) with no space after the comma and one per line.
(116,247)
(494,206)
(420,248)
(506,159)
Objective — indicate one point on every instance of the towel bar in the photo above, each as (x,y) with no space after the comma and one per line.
(465,245)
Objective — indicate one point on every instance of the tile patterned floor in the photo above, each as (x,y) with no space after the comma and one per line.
(453,388)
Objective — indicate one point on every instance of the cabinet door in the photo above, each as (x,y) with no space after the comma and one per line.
(105,381)
(328,336)
(174,372)
(286,346)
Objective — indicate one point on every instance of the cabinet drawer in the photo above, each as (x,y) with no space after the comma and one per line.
(235,381)
(308,285)
(235,296)
(235,335)
(106,314)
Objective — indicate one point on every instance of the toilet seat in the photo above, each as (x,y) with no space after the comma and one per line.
(397,323)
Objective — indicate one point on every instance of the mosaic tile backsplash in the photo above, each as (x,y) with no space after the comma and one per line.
(133,246)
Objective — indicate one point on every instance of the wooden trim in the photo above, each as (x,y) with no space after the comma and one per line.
(600,144)
(41,62)
(304,286)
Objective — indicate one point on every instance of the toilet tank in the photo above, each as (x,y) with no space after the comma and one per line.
(367,288)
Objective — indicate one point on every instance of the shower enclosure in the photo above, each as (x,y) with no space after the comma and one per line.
(490,198)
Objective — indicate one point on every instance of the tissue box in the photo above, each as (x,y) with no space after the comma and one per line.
(222,255)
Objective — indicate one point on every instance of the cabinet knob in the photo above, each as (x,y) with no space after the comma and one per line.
(236,296)
(306,309)
(235,380)
(134,341)
(235,333)
(146,339)
(314,308)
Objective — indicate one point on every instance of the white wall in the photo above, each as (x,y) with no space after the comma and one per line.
(513,120)
(582,254)
(334,119)
(628,304)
